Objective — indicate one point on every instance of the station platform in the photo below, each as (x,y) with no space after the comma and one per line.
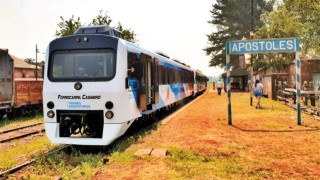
(261,144)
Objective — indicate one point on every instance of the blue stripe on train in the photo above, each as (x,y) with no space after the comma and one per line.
(134,87)
(178,90)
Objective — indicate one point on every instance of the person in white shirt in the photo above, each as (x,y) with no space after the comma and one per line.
(258,93)
(219,86)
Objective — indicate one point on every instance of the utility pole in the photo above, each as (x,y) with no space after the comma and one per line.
(251,57)
(37,51)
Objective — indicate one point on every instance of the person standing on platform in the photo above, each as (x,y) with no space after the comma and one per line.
(219,87)
(258,93)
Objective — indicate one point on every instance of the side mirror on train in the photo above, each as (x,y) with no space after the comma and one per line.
(136,70)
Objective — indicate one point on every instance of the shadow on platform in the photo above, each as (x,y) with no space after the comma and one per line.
(265,130)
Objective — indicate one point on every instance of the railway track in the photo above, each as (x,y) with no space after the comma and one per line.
(22,136)
(9,135)
(106,151)
(19,128)
(5,174)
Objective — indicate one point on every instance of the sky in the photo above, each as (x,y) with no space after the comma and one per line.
(175,27)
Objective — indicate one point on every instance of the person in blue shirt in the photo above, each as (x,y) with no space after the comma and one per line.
(258,93)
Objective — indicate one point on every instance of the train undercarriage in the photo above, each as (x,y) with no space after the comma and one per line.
(22,111)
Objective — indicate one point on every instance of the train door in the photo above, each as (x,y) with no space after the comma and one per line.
(147,83)
(155,74)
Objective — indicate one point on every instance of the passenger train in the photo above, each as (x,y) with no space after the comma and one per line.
(97,85)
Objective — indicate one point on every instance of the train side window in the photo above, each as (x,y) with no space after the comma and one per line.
(168,75)
(178,77)
(172,75)
(156,69)
(160,74)
(164,75)
(132,57)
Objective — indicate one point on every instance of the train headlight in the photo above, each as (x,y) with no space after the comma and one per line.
(109,114)
(77,85)
(109,105)
(50,105)
(50,114)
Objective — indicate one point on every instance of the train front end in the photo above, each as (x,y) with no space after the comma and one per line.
(86,101)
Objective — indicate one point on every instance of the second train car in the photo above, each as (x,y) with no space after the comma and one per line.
(96,85)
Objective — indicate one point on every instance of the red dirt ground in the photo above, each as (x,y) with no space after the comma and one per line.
(267,141)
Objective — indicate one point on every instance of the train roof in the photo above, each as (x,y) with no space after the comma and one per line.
(107,30)
(100,29)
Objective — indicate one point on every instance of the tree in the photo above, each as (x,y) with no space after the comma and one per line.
(233,20)
(128,34)
(308,12)
(292,18)
(68,27)
(104,19)
(101,19)
(29,60)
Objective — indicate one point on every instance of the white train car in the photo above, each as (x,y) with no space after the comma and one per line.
(96,85)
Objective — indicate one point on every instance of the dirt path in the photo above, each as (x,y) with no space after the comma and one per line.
(261,144)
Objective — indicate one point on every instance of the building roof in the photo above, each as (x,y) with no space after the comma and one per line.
(20,63)
(4,50)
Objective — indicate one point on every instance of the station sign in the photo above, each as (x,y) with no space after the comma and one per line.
(263,46)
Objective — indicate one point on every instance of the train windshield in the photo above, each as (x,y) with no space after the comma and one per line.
(82,65)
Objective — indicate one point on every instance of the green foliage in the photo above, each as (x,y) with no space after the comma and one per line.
(221,163)
(29,60)
(101,19)
(292,18)
(69,166)
(128,34)
(68,27)
(9,123)
(122,157)
(273,62)
(9,158)
(233,20)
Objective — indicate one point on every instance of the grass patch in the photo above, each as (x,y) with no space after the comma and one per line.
(274,125)
(12,156)
(221,164)
(130,138)
(20,121)
(124,157)
(69,166)
(117,149)
(60,164)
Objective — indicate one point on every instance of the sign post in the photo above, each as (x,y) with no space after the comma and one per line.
(264,46)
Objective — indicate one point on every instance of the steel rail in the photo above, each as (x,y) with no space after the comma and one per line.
(22,136)
(21,166)
(18,128)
